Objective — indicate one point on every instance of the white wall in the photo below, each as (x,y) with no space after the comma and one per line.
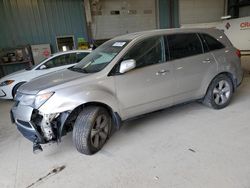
(134,16)
(200,11)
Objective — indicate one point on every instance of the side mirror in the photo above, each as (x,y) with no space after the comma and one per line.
(42,67)
(127,65)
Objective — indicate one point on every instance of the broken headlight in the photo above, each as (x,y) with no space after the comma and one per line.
(34,101)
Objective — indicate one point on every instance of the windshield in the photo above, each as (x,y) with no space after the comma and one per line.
(100,57)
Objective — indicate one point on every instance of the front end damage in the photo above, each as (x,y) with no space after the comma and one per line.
(42,128)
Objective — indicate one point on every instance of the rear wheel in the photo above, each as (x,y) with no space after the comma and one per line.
(91,130)
(219,93)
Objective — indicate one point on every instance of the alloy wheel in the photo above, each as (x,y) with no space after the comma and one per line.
(222,92)
(100,131)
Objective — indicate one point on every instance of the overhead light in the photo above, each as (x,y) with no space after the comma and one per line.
(64,48)
(226,17)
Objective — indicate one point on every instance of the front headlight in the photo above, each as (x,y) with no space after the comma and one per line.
(41,99)
(6,82)
(26,100)
(34,101)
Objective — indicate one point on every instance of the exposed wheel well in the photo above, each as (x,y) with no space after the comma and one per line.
(114,115)
(71,117)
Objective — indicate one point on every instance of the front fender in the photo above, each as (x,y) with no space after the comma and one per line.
(68,101)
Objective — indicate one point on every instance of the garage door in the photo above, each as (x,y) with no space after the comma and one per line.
(200,11)
(115,17)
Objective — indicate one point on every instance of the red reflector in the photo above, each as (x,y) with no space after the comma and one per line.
(238,53)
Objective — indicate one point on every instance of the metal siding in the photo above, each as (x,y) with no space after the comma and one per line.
(40,21)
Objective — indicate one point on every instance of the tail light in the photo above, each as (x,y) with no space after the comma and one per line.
(238,53)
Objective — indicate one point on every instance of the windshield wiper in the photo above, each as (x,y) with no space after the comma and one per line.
(76,69)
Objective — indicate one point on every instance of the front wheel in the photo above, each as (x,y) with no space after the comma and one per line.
(91,130)
(219,93)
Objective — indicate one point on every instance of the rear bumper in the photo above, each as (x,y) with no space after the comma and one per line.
(240,78)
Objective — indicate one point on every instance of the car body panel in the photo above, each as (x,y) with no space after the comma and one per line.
(146,89)
(190,73)
(89,91)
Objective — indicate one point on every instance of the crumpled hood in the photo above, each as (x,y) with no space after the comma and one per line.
(50,80)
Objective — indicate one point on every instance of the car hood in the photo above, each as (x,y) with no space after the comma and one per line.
(15,75)
(50,80)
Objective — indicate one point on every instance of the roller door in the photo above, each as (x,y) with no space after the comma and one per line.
(111,18)
(200,11)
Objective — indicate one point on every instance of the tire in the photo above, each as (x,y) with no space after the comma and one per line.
(90,131)
(219,93)
(15,88)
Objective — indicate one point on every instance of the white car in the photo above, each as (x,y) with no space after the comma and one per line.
(10,83)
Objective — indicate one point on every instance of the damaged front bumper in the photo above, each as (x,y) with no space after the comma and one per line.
(37,127)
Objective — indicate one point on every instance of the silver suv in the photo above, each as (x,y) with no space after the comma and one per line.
(126,77)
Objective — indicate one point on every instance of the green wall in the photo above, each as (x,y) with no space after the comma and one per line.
(40,21)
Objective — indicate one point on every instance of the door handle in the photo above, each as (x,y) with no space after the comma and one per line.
(206,61)
(162,72)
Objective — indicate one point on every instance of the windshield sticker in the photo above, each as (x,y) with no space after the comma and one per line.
(119,44)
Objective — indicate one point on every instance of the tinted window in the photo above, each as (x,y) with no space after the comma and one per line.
(147,52)
(183,45)
(69,59)
(212,43)
(55,62)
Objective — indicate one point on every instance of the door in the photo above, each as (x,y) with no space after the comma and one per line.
(191,64)
(150,86)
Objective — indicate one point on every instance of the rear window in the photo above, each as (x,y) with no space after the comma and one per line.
(211,43)
(184,45)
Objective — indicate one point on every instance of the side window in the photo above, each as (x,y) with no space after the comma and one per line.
(147,52)
(80,56)
(184,45)
(55,62)
(50,64)
(212,43)
(61,60)
(69,59)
